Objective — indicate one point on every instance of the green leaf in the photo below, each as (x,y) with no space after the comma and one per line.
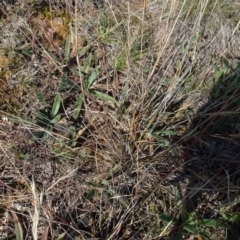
(102,96)
(213,223)
(90,80)
(66,84)
(109,197)
(168,133)
(73,135)
(166,218)
(236,201)
(61,236)
(40,97)
(231,217)
(186,216)
(27,52)
(190,228)
(56,105)
(87,64)
(67,48)
(83,51)
(90,194)
(56,119)
(18,227)
(43,117)
(78,107)
(176,193)
(41,136)
(146,69)
(73,131)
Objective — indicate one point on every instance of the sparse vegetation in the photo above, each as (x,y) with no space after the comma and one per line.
(119,119)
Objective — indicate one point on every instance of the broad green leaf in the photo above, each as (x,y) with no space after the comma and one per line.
(56,119)
(40,135)
(90,194)
(190,228)
(56,105)
(66,84)
(186,216)
(231,217)
(41,115)
(43,118)
(166,218)
(168,133)
(90,80)
(67,48)
(176,193)
(102,96)
(78,107)
(213,223)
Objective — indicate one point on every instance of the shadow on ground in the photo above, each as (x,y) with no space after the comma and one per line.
(211,156)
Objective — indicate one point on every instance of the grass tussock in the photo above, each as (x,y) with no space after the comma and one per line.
(119,119)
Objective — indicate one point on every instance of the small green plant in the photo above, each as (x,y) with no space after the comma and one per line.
(46,118)
(88,74)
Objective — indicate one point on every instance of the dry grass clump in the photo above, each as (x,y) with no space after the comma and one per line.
(119,120)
